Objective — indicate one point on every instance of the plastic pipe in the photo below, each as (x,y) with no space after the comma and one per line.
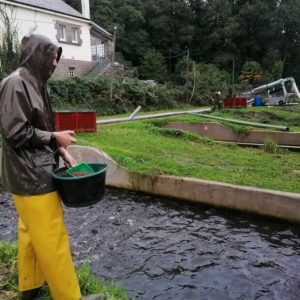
(160,115)
(132,116)
(282,128)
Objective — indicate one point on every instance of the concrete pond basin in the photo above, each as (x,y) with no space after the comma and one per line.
(282,205)
(160,247)
(221,132)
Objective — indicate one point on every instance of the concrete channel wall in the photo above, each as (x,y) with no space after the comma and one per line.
(220,132)
(265,202)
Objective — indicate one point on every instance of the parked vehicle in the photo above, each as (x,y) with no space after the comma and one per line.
(279,92)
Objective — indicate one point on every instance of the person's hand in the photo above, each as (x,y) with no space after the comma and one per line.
(65,138)
(69,160)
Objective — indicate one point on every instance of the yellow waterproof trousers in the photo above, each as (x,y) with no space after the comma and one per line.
(44,251)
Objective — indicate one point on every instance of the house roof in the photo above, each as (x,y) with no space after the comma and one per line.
(60,6)
(51,5)
(96,28)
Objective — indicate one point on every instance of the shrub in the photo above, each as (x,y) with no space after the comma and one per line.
(83,93)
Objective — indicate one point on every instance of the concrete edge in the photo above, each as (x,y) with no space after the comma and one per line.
(221,132)
(282,205)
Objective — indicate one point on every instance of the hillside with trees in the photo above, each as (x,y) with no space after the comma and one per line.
(253,35)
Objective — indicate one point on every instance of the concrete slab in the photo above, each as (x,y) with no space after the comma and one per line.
(265,202)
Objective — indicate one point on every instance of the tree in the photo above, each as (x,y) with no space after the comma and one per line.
(251,73)
(288,32)
(170,27)
(275,72)
(102,13)
(9,47)
(214,34)
(127,15)
(153,66)
(207,78)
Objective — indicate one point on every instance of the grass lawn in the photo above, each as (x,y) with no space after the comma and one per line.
(144,147)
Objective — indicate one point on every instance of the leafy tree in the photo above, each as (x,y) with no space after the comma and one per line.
(153,66)
(183,68)
(170,27)
(275,72)
(251,73)
(215,30)
(133,40)
(102,13)
(207,78)
(127,16)
(288,31)
(9,47)
(256,35)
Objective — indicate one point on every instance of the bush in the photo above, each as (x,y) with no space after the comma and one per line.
(201,80)
(82,93)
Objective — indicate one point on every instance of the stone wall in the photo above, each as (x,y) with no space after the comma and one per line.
(78,67)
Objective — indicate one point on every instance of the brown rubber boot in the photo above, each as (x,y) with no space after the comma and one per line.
(94,297)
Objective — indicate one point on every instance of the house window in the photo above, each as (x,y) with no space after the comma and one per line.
(98,50)
(68,33)
(71,71)
(74,32)
(62,32)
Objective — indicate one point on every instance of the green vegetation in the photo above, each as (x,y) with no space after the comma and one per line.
(89,284)
(143,147)
(270,145)
(261,37)
(153,66)
(9,44)
(82,93)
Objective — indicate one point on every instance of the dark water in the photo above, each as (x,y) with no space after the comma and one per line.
(162,249)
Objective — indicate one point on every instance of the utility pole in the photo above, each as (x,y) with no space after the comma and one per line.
(232,84)
(187,72)
(169,64)
(113,62)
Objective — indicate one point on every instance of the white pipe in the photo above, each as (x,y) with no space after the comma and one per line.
(160,115)
(132,116)
(283,128)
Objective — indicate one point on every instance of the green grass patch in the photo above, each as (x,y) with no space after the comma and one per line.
(89,284)
(142,147)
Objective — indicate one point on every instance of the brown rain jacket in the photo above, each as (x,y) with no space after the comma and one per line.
(28,153)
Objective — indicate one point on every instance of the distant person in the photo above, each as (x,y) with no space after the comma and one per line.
(217,103)
(30,150)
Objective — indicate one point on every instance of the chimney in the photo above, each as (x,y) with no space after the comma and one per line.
(85,5)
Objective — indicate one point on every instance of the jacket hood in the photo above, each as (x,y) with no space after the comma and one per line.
(37,54)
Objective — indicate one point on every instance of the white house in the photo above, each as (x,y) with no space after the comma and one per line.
(84,42)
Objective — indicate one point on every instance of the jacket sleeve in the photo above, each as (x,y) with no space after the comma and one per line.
(16,114)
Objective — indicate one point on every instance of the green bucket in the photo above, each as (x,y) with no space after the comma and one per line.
(77,191)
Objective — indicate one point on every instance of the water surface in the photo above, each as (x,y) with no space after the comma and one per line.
(159,248)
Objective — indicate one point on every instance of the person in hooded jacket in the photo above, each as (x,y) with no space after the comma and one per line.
(30,151)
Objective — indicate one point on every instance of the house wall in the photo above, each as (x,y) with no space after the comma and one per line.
(79,67)
(30,20)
